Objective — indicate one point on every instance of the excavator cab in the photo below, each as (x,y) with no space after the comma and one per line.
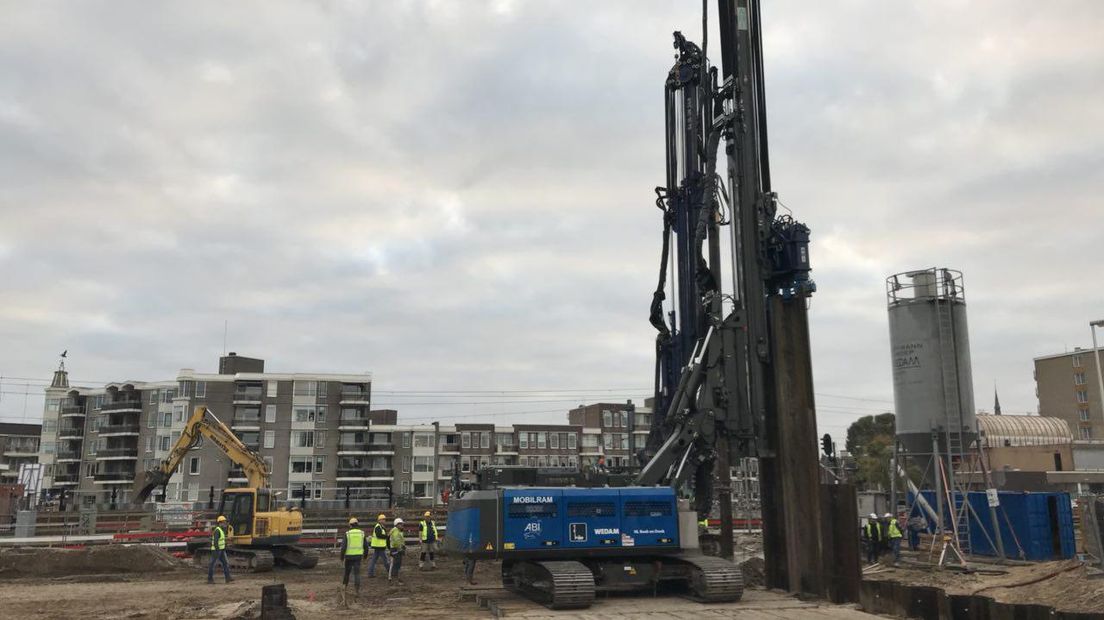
(238,506)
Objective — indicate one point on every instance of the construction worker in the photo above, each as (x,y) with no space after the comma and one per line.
(893,536)
(353,551)
(378,542)
(427,531)
(916,525)
(218,550)
(397,542)
(872,538)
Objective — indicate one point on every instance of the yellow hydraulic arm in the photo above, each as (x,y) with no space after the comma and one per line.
(203,423)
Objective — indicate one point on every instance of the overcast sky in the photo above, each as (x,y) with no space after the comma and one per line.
(458,196)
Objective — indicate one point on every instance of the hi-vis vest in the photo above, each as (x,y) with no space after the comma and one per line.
(379,537)
(354,542)
(218,539)
(894,531)
(873,530)
(425,530)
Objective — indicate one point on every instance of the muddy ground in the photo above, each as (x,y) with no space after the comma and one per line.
(1066,585)
(183,592)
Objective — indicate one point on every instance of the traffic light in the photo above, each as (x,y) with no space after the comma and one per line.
(826,444)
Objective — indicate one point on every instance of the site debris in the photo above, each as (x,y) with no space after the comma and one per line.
(98,560)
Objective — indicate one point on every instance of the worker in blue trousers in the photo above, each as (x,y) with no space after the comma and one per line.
(218,550)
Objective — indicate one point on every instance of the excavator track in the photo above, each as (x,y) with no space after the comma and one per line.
(556,585)
(296,556)
(713,580)
(241,558)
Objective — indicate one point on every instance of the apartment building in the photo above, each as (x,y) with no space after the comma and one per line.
(18,446)
(1067,387)
(613,431)
(96,441)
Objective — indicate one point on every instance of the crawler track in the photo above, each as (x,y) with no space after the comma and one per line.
(554,584)
(713,580)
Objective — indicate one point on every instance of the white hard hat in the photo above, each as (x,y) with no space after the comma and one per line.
(888,516)
(873,515)
(398,520)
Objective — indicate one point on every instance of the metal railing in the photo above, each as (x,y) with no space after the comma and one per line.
(119,428)
(114,476)
(121,404)
(113,452)
(360,472)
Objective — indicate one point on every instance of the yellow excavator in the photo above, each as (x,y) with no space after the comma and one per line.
(260,534)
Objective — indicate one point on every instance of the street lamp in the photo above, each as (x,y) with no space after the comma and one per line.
(1096,355)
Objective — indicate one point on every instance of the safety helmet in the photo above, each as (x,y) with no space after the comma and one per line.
(873,515)
(353,521)
(398,520)
(220,519)
(381,517)
(427,514)
(888,516)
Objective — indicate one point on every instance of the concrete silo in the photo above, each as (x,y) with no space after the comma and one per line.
(930,345)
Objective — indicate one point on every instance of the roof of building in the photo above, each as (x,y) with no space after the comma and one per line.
(11,428)
(1023,430)
(1075,351)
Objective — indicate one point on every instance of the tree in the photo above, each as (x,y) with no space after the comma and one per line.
(870,442)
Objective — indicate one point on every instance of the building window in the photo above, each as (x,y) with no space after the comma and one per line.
(305,388)
(1084,413)
(151,421)
(465,440)
(1077,361)
(406,440)
(607,418)
(1086,432)
(624,419)
(270,439)
(555,439)
(167,395)
(178,412)
(320,439)
(164,441)
(406,464)
(465,465)
(572,441)
(1082,396)
(423,440)
(302,439)
(193,466)
(1079,378)
(322,387)
(166,419)
(523,441)
(423,463)
(268,464)
(149,443)
(201,389)
(306,464)
(484,440)
(272,388)
(320,416)
(542,440)
(270,413)
(153,397)
(405,487)
(421,489)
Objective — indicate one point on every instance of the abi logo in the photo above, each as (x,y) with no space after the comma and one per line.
(532,530)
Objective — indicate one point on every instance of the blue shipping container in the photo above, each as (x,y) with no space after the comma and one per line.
(1039,523)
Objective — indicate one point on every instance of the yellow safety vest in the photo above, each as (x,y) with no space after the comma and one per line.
(703,523)
(894,531)
(873,530)
(218,539)
(425,530)
(379,537)
(398,539)
(354,541)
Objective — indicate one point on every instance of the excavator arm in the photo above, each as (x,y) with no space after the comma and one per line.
(203,423)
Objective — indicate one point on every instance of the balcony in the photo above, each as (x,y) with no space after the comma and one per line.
(381,447)
(68,456)
(355,397)
(352,447)
(119,430)
(71,432)
(72,411)
(122,405)
(353,422)
(246,420)
(449,448)
(114,477)
(248,395)
(66,479)
(361,473)
(117,454)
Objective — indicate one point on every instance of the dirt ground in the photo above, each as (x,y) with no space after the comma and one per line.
(1065,585)
(183,592)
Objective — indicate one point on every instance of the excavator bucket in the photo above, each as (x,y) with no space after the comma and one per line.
(146,483)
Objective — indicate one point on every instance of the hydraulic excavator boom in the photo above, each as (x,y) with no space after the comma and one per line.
(203,423)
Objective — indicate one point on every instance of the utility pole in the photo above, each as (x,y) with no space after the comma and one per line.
(1096,355)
